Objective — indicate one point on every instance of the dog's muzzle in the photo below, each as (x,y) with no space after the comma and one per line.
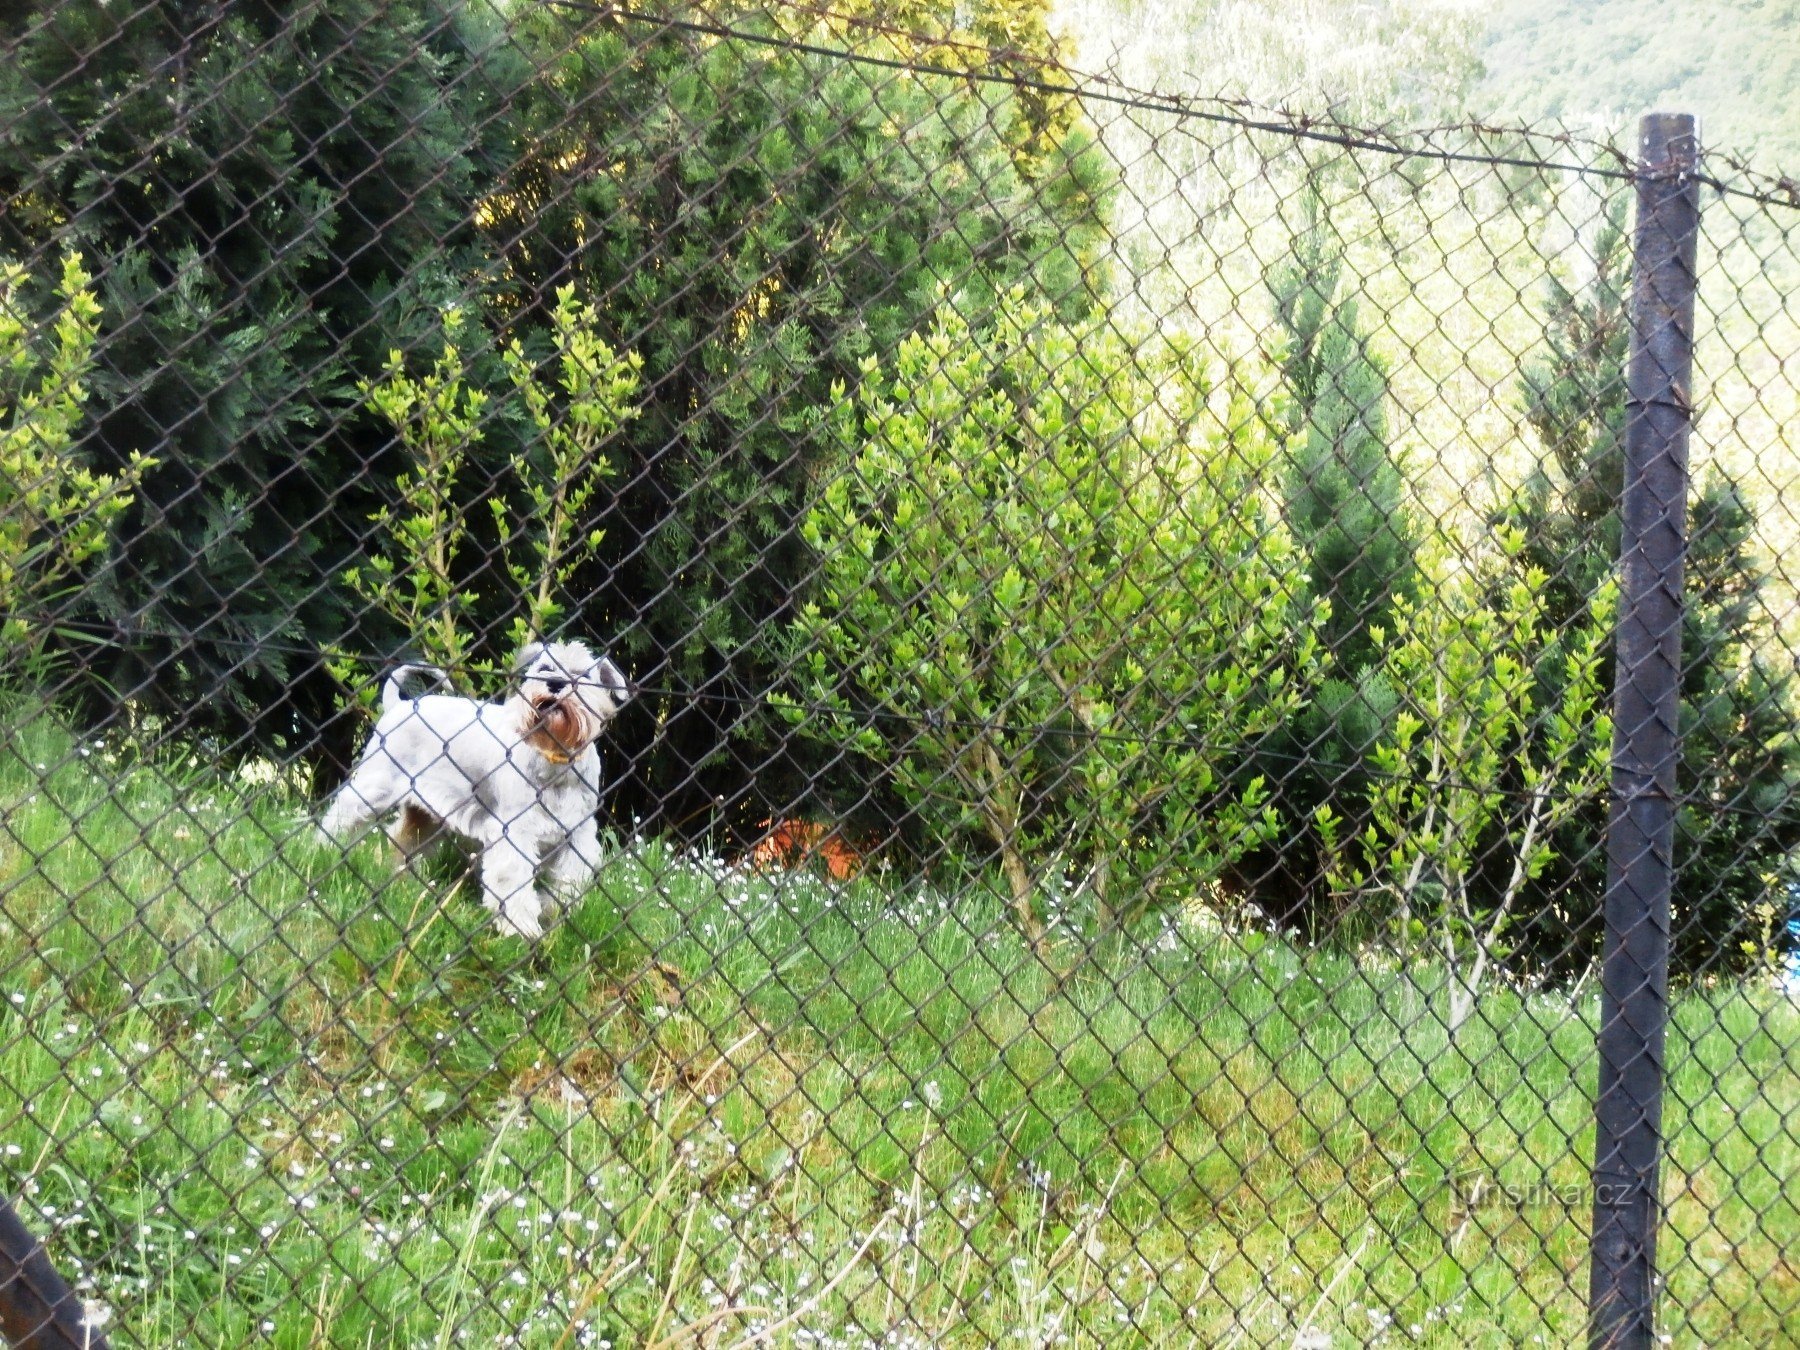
(558,725)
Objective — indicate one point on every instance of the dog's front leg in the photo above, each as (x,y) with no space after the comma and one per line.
(572,865)
(509,886)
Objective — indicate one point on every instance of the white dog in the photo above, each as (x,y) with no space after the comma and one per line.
(521,779)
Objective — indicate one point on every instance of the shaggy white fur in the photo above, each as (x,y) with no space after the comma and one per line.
(521,779)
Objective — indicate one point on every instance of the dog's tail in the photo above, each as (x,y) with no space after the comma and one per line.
(393,692)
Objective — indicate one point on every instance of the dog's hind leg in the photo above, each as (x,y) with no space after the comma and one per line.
(416,833)
(414,830)
(356,804)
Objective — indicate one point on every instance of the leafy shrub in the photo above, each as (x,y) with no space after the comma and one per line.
(55,513)
(438,417)
(574,414)
(1499,738)
(574,403)
(1054,604)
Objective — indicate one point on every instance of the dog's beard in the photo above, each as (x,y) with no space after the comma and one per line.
(557,729)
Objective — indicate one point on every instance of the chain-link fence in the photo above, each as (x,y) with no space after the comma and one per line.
(994,698)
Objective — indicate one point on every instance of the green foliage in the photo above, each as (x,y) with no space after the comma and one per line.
(575,403)
(1740,756)
(55,513)
(1486,760)
(1409,62)
(1344,501)
(265,224)
(758,220)
(986,37)
(1051,604)
(438,418)
(764,221)
(1344,492)
(560,481)
(1734,63)
(1574,396)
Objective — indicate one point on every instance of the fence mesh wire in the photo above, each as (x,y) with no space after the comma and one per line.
(709,676)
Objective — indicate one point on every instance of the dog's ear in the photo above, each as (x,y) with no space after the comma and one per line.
(610,678)
(528,655)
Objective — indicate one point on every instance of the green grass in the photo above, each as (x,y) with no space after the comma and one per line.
(264,1093)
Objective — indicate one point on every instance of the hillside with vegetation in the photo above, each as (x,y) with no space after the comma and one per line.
(1457,302)
(1733,62)
(1400,60)
(1592,64)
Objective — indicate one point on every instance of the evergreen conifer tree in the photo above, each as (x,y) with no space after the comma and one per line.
(1739,821)
(1344,504)
(271,197)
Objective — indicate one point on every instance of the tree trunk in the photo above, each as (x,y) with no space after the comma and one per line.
(1000,811)
(1018,880)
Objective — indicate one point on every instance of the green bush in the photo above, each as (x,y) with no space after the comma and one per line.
(759,220)
(1054,605)
(574,403)
(55,513)
(1500,737)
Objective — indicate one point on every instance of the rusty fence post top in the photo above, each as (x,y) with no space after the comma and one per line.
(1668,145)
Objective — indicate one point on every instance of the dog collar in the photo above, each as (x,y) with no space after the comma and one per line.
(557,757)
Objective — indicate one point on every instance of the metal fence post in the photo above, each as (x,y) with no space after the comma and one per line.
(38,1310)
(1646,739)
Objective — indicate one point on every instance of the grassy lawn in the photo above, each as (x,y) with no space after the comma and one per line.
(265,1093)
